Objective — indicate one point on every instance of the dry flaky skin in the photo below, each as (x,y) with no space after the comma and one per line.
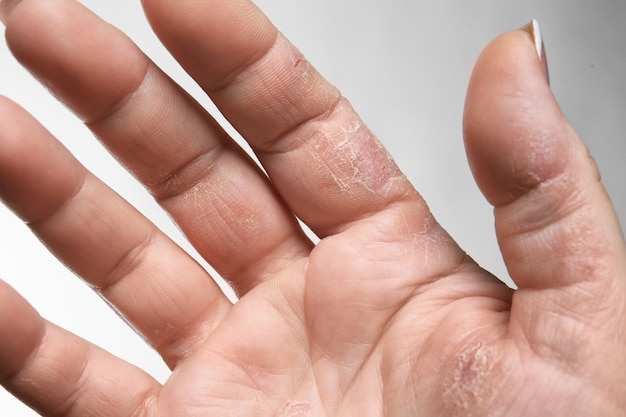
(385,316)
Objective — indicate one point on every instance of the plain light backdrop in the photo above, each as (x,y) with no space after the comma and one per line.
(405,66)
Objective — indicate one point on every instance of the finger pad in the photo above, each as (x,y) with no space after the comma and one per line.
(21,329)
(513,127)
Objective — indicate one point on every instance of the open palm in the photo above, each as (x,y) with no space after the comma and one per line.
(385,315)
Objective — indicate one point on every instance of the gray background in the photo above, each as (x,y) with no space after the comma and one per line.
(405,66)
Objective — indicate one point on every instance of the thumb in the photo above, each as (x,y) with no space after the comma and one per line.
(557,230)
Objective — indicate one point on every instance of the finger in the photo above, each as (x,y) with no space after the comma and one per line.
(153,283)
(59,374)
(559,235)
(326,164)
(219,198)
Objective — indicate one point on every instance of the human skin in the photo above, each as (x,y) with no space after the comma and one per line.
(385,316)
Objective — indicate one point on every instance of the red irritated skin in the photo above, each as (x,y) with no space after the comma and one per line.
(384,316)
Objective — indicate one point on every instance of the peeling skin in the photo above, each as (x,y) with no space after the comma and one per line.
(370,162)
(472,380)
(298,61)
(296,409)
(354,156)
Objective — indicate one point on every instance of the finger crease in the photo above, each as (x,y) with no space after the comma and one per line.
(280,143)
(122,101)
(224,82)
(62,204)
(132,259)
(187,175)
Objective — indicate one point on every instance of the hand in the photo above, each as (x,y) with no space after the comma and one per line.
(384,316)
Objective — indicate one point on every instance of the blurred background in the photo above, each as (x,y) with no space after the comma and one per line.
(405,66)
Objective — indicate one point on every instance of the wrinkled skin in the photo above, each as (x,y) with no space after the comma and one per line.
(385,316)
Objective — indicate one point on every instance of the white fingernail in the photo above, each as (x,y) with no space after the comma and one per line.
(532,28)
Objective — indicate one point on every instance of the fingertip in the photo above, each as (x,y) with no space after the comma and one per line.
(36,171)
(513,127)
(14,120)
(5,106)
(85,62)
(6,7)
(21,329)
(231,34)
